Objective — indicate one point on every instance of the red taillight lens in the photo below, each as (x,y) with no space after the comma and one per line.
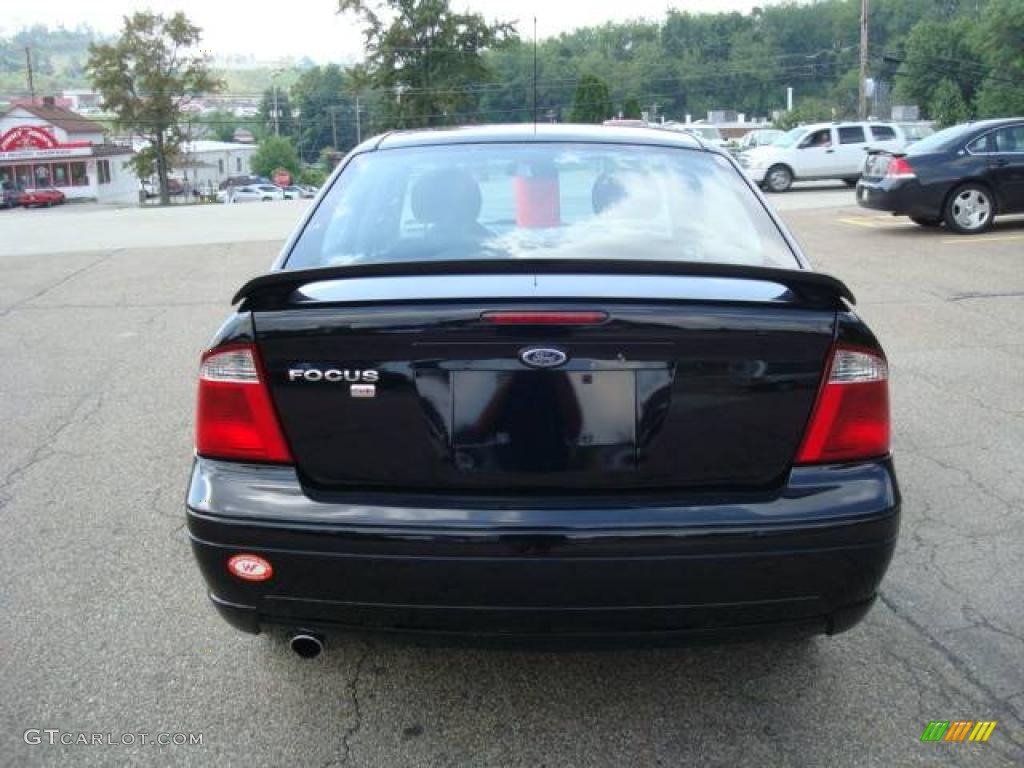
(235,418)
(851,418)
(899,168)
(541,317)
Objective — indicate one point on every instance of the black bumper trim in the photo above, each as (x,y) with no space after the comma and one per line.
(699,568)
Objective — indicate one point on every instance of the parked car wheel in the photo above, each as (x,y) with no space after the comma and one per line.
(969,209)
(778,179)
(926,222)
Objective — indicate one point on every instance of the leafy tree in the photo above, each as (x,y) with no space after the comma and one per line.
(948,106)
(285,119)
(221,124)
(312,176)
(591,103)
(325,110)
(936,52)
(1000,37)
(428,56)
(146,76)
(631,109)
(275,152)
(811,110)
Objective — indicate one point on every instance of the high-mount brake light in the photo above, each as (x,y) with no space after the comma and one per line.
(850,420)
(543,317)
(235,418)
(899,168)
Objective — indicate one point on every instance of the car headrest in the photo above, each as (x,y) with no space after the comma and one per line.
(446,196)
(629,195)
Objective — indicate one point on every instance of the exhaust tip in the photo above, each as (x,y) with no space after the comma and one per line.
(307,646)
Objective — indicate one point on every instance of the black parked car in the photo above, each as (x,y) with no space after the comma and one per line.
(964,176)
(550,382)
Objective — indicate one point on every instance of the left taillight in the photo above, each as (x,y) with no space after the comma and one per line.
(850,421)
(235,418)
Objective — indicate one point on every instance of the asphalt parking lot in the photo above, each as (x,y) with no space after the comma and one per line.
(106,628)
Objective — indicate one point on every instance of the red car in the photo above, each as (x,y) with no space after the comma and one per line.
(42,196)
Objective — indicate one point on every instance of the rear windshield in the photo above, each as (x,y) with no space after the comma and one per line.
(501,201)
(941,140)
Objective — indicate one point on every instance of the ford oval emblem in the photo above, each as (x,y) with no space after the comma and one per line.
(543,357)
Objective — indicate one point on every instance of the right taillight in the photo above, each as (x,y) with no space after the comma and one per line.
(899,168)
(851,417)
(235,418)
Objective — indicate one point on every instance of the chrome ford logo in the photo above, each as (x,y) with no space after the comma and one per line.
(543,357)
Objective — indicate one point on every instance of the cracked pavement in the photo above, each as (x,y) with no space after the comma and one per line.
(106,627)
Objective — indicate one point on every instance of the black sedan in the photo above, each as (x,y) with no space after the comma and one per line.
(963,176)
(552,382)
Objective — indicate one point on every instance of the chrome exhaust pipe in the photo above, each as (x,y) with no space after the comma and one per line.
(306,644)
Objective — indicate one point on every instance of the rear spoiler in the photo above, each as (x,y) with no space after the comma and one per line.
(884,151)
(274,288)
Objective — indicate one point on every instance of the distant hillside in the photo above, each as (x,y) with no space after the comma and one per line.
(59,56)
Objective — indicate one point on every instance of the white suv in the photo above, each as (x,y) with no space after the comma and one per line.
(821,151)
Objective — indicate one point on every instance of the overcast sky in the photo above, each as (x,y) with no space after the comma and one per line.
(271,30)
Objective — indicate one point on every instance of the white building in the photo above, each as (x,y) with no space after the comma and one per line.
(204,164)
(43,145)
(207,163)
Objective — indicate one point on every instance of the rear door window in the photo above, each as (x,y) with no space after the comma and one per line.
(851,134)
(1010,139)
(982,145)
(883,133)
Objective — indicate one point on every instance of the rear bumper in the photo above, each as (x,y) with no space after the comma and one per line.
(905,197)
(806,559)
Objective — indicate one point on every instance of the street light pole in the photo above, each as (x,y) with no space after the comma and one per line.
(862,103)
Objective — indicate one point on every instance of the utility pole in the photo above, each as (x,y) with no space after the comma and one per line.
(359,128)
(334,125)
(31,82)
(277,127)
(862,103)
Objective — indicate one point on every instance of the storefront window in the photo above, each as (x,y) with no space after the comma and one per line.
(78,177)
(24,175)
(61,176)
(42,176)
(103,171)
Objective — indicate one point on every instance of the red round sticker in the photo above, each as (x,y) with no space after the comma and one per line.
(250,567)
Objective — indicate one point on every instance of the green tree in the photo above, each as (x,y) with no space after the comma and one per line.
(221,124)
(285,125)
(325,114)
(939,51)
(429,57)
(631,109)
(948,106)
(146,76)
(592,102)
(275,152)
(312,176)
(1000,37)
(810,110)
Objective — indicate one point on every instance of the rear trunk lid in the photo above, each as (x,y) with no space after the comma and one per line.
(406,383)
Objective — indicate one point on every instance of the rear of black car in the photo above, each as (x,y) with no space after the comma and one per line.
(482,398)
